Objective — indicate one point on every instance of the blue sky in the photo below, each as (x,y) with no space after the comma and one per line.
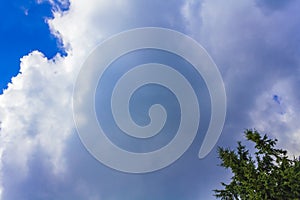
(23,31)
(255,44)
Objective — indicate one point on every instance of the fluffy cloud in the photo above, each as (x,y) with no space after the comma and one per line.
(254,45)
(36,101)
(41,157)
(277,113)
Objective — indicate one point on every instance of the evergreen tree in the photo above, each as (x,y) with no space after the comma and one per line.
(266,174)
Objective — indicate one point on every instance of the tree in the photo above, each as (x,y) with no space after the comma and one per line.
(270,174)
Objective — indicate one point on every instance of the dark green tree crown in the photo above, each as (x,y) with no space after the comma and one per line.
(266,174)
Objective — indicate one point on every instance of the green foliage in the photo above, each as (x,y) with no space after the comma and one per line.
(270,174)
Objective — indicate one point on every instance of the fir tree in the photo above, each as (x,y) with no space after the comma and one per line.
(266,174)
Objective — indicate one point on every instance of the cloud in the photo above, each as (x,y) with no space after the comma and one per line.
(36,101)
(279,118)
(270,6)
(41,155)
(257,53)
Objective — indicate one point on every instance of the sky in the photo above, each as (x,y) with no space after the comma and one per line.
(255,45)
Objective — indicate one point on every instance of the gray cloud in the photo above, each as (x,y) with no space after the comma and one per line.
(257,53)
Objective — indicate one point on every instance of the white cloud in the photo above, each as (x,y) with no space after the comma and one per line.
(255,50)
(280,119)
(86,24)
(36,112)
(36,109)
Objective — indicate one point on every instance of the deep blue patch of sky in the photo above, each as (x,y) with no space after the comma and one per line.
(23,29)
